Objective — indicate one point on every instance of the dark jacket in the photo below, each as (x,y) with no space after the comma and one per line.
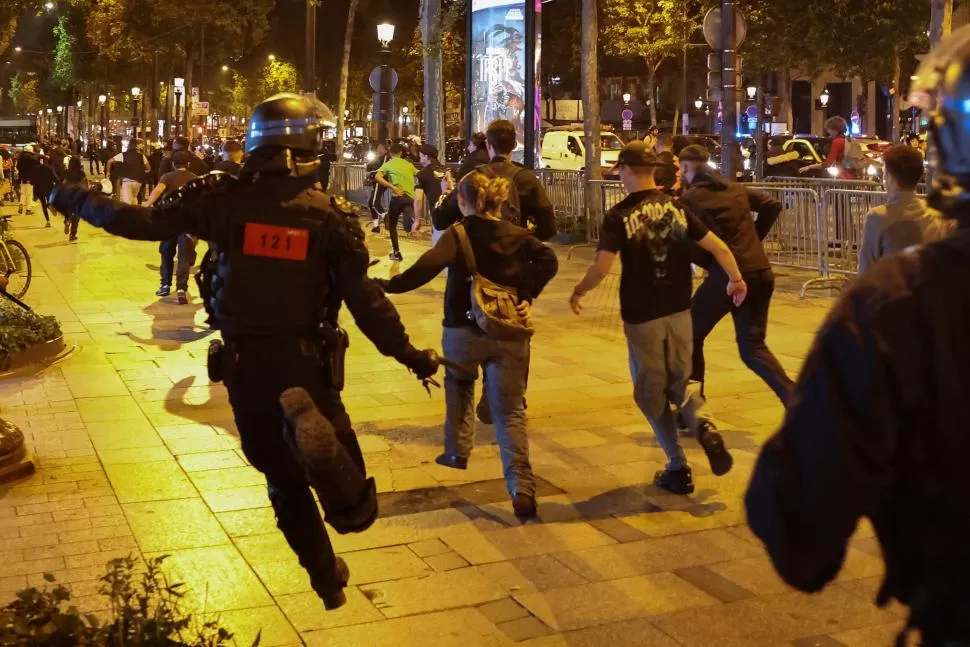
(536,208)
(26,163)
(230,167)
(504,254)
(470,161)
(209,215)
(877,427)
(44,180)
(726,207)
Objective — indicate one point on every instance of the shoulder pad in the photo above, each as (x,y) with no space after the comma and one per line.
(343,205)
(213,182)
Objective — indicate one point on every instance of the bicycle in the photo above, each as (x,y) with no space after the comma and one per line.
(14,261)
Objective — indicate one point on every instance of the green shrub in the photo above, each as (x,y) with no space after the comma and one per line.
(21,329)
(144,612)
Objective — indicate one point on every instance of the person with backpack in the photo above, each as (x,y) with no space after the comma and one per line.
(528,205)
(651,232)
(486,324)
(844,155)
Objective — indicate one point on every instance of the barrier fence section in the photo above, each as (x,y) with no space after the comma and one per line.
(565,191)
(606,193)
(845,214)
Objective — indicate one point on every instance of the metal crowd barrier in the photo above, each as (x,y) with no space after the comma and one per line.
(845,214)
(821,185)
(565,191)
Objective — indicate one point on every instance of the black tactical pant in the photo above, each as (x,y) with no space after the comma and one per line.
(263,368)
(711,304)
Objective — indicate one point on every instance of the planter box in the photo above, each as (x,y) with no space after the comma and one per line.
(36,354)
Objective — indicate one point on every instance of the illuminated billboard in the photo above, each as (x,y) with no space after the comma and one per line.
(502,75)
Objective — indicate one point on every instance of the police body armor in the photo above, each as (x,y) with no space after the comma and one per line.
(132,166)
(269,279)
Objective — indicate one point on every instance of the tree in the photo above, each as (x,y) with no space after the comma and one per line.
(24,92)
(278,76)
(10,13)
(591,101)
(652,30)
(344,75)
(62,74)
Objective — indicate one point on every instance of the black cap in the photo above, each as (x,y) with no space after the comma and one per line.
(637,153)
(695,153)
(429,150)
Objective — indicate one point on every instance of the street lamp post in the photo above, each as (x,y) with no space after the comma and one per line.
(79,121)
(823,99)
(135,93)
(179,88)
(102,99)
(385,34)
(58,130)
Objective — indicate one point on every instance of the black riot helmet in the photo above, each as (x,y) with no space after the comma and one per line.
(941,88)
(285,121)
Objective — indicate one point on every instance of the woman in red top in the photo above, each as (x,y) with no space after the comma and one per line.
(835,128)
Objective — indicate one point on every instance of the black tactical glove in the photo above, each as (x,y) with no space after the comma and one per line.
(423,363)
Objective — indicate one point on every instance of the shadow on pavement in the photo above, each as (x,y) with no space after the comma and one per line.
(172,326)
(216,413)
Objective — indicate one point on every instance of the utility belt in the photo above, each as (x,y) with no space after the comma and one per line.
(328,349)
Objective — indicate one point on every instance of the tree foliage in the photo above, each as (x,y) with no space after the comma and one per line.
(278,76)
(651,30)
(62,74)
(24,92)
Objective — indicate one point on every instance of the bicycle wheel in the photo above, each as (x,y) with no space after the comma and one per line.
(19,275)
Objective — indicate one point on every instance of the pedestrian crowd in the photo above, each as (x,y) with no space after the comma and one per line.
(884,382)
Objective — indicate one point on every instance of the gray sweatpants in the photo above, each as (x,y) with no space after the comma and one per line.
(660,365)
(505,364)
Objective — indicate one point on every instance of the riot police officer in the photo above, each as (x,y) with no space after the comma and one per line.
(877,424)
(288,257)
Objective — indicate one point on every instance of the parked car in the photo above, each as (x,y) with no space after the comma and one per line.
(812,149)
(563,148)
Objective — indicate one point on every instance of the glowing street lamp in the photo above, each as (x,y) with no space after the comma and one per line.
(18,49)
(752,92)
(225,68)
(626,98)
(271,57)
(179,89)
(824,98)
(49,6)
(385,34)
(698,103)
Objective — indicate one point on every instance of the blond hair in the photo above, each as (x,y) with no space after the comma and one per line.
(487,193)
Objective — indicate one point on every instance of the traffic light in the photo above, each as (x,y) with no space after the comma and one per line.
(714,76)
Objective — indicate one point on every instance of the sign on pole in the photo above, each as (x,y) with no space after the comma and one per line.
(200,108)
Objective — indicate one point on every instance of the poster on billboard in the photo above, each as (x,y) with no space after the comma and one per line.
(503,54)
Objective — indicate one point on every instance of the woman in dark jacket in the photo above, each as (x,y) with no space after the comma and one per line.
(74,175)
(44,180)
(507,255)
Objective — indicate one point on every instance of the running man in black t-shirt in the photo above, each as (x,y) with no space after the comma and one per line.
(650,231)
(430,182)
(184,244)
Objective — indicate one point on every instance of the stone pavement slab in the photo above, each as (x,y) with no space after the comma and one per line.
(137,453)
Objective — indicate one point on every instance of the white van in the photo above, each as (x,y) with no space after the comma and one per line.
(563,149)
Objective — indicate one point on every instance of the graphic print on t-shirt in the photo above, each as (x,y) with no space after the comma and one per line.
(656,224)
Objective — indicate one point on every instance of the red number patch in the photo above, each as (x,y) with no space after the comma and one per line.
(275,242)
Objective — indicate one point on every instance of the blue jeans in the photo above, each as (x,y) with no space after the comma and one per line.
(660,365)
(505,364)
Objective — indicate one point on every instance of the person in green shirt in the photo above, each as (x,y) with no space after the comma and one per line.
(398,175)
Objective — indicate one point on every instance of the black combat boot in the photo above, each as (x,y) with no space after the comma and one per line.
(348,499)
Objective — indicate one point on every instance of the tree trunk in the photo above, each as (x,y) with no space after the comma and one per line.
(784,89)
(894,116)
(651,93)
(434,85)
(186,117)
(941,20)
(344,76)
(591,112)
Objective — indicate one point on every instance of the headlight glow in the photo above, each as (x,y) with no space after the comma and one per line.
(872,170)
(833,171)
(712,164)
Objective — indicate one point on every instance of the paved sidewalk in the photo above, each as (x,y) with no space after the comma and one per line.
(137,453)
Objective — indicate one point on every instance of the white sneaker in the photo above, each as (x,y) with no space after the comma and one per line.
(183,297)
